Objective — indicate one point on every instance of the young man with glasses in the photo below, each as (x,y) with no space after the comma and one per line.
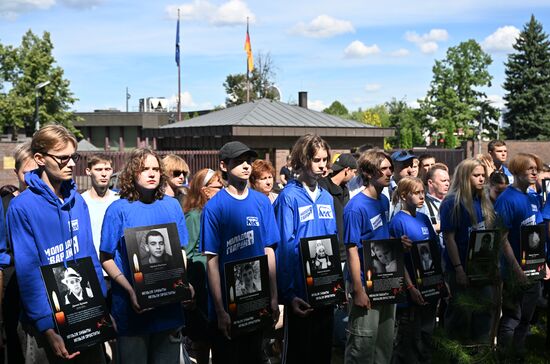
(49,223)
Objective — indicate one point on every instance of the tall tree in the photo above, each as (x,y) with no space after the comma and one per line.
(337,109)
(409,125)
(528,85)
(454,99)
(261,82)
(25,67)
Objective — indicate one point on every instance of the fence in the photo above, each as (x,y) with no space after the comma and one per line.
(451,157)
(196,159)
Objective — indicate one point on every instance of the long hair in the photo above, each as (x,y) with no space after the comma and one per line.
(196,198)
(305,149)
(463,193)
(369,164)
(131,170)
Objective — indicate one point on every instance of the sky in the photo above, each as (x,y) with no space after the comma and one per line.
(359,52)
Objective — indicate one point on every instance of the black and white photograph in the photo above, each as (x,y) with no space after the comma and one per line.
(532,255)
(322,271)
(482,258)
(157,264)
(74,287)
(384,270)
(545,190)
(428,276)
(247,294)
(384,256)
(247,278)
(78,306)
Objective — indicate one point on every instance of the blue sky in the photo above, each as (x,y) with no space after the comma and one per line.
(359,52)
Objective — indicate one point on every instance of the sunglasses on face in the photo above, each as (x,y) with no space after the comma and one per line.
(62,160)
(178,173)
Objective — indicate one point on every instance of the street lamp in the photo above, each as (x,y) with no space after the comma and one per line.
(37,96)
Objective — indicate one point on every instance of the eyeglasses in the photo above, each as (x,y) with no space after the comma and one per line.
(179,173)
(62,160)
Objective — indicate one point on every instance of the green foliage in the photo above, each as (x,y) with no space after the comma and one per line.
(409,125)
(23,68)
(260,83)
(528,85)
(337,109)
(454,100)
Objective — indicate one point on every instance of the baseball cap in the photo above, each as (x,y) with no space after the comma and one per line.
(402,156)
(344,160)
(235,149)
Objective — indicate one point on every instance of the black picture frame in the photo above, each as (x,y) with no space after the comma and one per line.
(78,306)
(322,270)
(532,251)
(384,279)
(482,256)
(545,186)
(158,279)
(247,294)
(428,274)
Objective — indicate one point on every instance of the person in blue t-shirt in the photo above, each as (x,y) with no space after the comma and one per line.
(499,152)
(516,208)
(49,223)
(153,335)
(370,327)
(236,224)
(303,209)
(416,319)
(466,208)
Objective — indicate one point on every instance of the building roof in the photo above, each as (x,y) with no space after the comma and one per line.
(268,113)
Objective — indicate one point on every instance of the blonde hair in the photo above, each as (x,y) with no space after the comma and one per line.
(22,154)
(487,162)
(49,136)
(172,162)
(406,186)
(520,162)
(463,193)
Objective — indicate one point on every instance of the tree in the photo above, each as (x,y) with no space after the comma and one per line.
(528,85)
(24,67)
(409,124)
(260,82)
(337,109)
(454,100)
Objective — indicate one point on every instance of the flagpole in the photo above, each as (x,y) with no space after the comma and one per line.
(179,70)
(247,68)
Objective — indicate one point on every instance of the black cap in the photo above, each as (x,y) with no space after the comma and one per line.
(235,149)
(344,160)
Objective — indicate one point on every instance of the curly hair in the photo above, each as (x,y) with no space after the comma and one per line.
(305,149)
(132,169)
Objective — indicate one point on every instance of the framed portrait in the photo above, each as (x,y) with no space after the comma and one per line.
(158,264)
(247,294)
(322,271)
(532,251)
(482,259)
(78,306)
(545,190)
(384,270)
(428,275)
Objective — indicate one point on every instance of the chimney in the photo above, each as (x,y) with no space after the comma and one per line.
(302,99)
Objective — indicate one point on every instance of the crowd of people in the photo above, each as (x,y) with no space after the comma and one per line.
(244,210)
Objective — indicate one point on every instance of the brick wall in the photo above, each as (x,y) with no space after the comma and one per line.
(542,149)
(7,176)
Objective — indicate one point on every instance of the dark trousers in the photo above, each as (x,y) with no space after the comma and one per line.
(309,339)
(242,349)
(415,327)
(518,307)
(196,319)
(11,309)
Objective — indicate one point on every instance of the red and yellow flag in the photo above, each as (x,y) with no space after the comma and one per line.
(248,50)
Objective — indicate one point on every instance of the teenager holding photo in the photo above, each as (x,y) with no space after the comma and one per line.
(151,336)
(303,210)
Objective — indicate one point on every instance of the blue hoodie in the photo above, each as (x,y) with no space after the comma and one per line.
(298,216)
(44,230)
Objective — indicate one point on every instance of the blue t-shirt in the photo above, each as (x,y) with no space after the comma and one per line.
(123,214)
(516,209)
(417,228)
(460,225)
(298,216)
(365,218)
(236,229)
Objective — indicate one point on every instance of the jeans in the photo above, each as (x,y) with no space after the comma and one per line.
(158,348)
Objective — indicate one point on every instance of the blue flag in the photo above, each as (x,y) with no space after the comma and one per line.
(178,43)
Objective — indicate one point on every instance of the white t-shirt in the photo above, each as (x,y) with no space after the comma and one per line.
(97,213)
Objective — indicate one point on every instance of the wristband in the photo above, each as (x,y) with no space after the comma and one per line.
(118,275)
(410,286)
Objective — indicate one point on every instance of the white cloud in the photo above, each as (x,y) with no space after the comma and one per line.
(186,101)
(401,52)
(358,49)
(323,26)
(373,87)
(502,40)
(316,105)
(81,4)
(428,42)
(233,12)
(496,101)
(11,9)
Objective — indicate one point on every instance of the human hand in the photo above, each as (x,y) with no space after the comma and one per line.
(275,313)
(407,243)
(300,307)
(361,299)
(461,278)
(416,296)
(190,303)
(224,323)
(58,346)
